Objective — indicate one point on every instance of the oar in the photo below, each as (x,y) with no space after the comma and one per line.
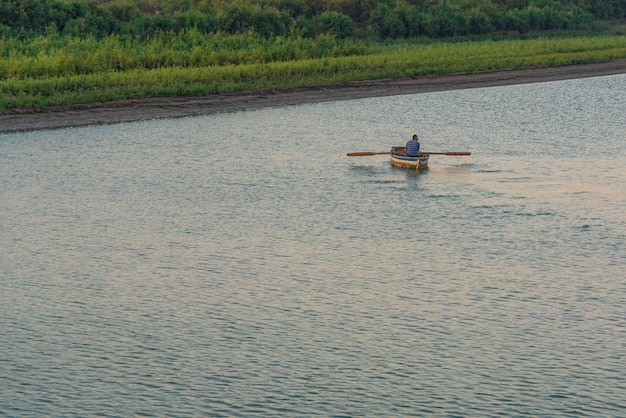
(366,153)
(449,153)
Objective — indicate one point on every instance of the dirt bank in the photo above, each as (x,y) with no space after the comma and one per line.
(141,109)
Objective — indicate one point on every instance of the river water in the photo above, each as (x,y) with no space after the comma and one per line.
(240,264)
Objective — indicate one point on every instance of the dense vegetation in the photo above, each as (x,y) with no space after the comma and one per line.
(382,19)
(72,51)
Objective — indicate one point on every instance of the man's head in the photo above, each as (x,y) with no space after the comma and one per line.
(415,138)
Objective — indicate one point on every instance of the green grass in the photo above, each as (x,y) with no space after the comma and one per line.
(57,70)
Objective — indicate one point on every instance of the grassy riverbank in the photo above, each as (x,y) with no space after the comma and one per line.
(56,70)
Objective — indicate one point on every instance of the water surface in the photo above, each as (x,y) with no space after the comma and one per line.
(240,264)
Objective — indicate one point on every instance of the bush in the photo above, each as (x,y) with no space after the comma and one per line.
(450,23)
(480,23)
(386,23)
(336,24)
(608,9)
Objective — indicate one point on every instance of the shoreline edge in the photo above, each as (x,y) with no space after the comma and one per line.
(132,110)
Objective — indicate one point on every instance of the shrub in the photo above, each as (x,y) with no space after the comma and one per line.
(386,23)
(335,23)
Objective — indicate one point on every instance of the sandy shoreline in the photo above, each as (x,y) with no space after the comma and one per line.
(15,120)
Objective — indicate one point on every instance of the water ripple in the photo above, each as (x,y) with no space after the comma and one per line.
(145,273)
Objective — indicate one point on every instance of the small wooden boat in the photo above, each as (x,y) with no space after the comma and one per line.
(400,158)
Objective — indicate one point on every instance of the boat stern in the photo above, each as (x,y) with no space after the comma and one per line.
(399,158)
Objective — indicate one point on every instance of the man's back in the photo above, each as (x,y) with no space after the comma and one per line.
(413,148)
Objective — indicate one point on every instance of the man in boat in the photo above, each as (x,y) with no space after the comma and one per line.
(413,147)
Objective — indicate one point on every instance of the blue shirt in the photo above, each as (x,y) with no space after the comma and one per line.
(413,148)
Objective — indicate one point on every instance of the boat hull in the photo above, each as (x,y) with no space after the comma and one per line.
(400,159)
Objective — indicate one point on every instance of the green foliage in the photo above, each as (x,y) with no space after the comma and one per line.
(71,51)
(342,18)
(335,23)
(608,9)
(443,20)
(62,69)
(385,22)
(56,56)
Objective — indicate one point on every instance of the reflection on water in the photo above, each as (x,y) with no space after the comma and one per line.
(240,264)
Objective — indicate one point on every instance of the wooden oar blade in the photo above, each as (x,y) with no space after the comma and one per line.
(365,153)
(450,153)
